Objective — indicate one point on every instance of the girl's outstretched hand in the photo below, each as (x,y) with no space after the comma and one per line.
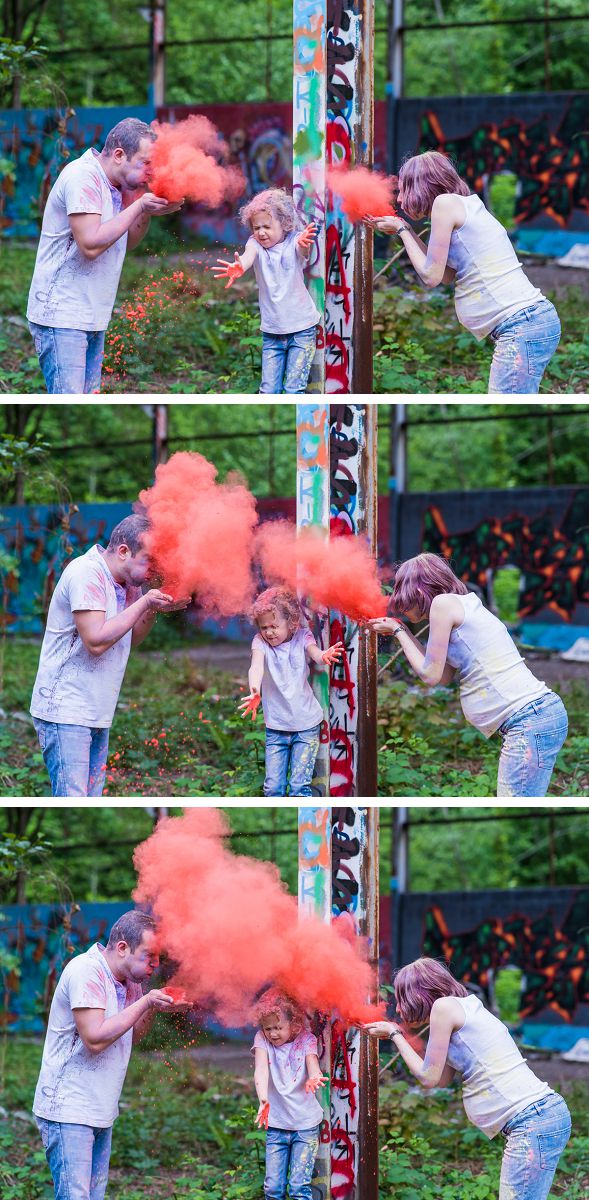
(306,238)
(380,1029)
(334,652)
(230,270)
(250,705)
(263,1114)
(315,1082)
(384,624)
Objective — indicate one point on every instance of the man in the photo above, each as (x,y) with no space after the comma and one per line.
(97,612)
(98,1011)
(84,237)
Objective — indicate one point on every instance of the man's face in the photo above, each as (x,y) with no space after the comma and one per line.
(140,963)
(132,172)
(134,569)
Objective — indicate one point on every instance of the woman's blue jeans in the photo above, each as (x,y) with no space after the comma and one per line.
(524,345)
(532,738)
(290,751)
(78,1157)
(535,1139)
(287,359)
(290,1158)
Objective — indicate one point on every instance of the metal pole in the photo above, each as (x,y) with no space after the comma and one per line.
(352,466)
(160,434)
(313,509)
(309,172)
(354,1063)
(398,475)
(399,878)
(315,899)
(394,86)
(157,88)
(348,252)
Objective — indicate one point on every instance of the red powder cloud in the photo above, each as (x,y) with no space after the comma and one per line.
(340,573)
(201,535)
(187,164)
(363,193)
(233,928)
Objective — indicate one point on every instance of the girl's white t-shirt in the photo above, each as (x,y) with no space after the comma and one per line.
(285,303)
(291,1107)
(497,1083)
(288,701)
(490,284)
(494,680)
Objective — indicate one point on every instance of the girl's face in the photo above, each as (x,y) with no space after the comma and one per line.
(267,229)
(274,627)
(277,1029)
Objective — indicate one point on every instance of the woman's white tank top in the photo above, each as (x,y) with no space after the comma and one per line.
(490,284)
(496,1081)
(494,680)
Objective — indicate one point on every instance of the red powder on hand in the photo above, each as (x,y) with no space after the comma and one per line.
(339,574)
(188,162)
(363,193)
(201,535)
(177,994)
(240,929)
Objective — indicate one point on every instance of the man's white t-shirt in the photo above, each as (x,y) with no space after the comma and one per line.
(69,291)
(75,1086)
(74,687)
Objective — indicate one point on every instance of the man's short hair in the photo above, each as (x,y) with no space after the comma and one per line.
(129,532)
(127,136)
(130,929)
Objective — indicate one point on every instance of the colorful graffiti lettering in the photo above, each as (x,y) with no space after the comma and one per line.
(309,149)
(554,561)
(552,167)
(555,961)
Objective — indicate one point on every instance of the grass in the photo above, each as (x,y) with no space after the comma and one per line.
(177,732)
(186,1132)
(181,332)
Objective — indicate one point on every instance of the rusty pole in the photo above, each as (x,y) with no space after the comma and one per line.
(362,373)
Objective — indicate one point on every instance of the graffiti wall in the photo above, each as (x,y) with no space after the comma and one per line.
(39,142)
(542,139)
(309,49)
(543,532)
(543,931)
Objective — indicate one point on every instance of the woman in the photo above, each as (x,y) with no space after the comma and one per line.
(470,248)
(498,693)
(499,1091)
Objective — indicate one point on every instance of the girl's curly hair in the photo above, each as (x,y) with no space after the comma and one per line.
(272,1001)
(278,203)
(280,600)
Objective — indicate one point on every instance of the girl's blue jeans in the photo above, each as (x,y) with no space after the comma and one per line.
(532,738)
(524,345)
(290,1158)
(535,1139)
(75,757)
(78,1157)
(287,359)
(296,751)
(70,359)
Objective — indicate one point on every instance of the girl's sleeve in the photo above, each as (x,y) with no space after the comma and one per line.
(259,1042)
(258,643)
(310,1043)
(252,245)
(308,638)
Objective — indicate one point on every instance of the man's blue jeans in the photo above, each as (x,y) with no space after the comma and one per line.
(532,738)
(536,1139)
(290,1157)
(78,1157)
(296,751)
(287,359)
(75,756)
(70,359)
(524,345)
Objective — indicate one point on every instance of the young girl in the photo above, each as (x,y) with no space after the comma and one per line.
(278,250)
(497,691)
(469,247)
(278,677)
(499,1091)
(286,1077)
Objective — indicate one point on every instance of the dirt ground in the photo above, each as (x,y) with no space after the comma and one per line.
(548,276)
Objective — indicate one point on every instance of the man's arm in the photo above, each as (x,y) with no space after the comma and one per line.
(98,1032)
(98,635)
(93,236)
(145,623)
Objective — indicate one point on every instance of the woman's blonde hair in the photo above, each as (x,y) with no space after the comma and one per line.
(419,579)
(426,176)
(277,202)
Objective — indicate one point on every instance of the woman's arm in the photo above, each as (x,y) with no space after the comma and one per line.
(432,1070)
(430,665)
(430,262)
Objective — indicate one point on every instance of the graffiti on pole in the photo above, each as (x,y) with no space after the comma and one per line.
(554,959)
(309,44)
(554,560)
(315,899)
